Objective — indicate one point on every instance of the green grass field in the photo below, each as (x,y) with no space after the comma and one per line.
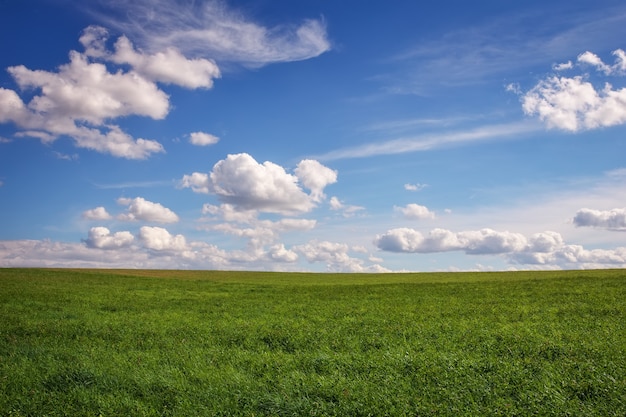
(183,343)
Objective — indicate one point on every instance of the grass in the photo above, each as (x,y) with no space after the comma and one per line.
(185,343)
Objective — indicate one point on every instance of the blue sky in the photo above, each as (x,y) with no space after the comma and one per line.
(313,135)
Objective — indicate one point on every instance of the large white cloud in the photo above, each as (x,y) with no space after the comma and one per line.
(82,98)
(102,238)
(574,103)
(614,219)
(140,209)
(242,182)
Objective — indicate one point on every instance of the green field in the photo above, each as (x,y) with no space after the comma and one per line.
(192,343)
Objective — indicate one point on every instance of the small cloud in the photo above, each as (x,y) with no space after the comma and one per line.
(514,88)
(563,66)
(66,157)
(202,139)
(98,213)
(347,210)
(144,210)
(415,212)
(5,140)
(415,187)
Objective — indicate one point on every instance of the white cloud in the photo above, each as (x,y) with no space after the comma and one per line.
(198,182)
(159,239)
(484,241)
(574,103)
(202,139)
(168,66)
(614,219)
(347,210)
(210,29)
(563,66)
(415,212)
(140,209)
(242,182)
(102,238)
(315,177)
(83,97)
(544,250)
(98,213)
(616,69)
(336,257)
(280,254)
(84,92)
(415,187)
(425,142)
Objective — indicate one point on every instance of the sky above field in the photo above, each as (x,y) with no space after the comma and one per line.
(313,135)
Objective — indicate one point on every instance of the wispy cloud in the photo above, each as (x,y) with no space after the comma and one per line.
(432,141)
(135,184)
(471,55)
(213,30)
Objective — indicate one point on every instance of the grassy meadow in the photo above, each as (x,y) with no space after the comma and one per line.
(205,343)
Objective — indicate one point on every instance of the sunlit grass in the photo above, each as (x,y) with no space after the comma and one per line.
(84,342)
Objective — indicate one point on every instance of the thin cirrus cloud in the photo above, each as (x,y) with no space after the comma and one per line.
(426,142)
(212,29)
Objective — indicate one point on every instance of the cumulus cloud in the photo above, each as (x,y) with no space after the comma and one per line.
(543,250)
(202,139)
(102,238)
(574,103)
(315,177)
(140,209)
(415,212)
(159,239)
(79,100)
(168,66)
(484,241)
(211,29)
(82,98)
(614,219)
(242,182)
(336,256)
(98,213)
